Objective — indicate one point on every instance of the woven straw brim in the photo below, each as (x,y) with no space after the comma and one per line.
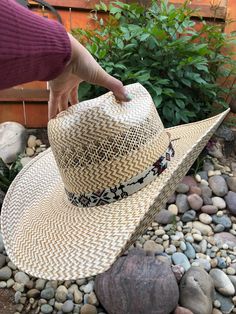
(47,237)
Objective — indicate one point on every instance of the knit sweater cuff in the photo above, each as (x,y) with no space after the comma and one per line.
(31,47)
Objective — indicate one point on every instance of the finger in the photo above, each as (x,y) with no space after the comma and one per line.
(53,104)
(102,78)
(63,103)
(117,88)
(74,99)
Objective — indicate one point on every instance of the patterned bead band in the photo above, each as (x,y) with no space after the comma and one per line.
(133,185)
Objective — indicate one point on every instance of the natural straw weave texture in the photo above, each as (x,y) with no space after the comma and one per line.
(48,237)
(99,145)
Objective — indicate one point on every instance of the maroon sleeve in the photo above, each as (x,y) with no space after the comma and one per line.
(32,48)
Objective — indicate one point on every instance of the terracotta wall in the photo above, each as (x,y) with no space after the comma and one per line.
(27,103)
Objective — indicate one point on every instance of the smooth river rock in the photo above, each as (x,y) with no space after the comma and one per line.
(222,282)
(197,291)
(230,199)
(12,140)
(218,185)
(204,229)
(225,238)
(137,284)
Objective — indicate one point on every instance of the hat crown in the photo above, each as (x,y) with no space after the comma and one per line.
(101,142)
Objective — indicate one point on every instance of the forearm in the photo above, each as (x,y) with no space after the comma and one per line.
(31,47)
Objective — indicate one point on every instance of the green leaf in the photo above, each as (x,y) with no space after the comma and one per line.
(157,100)
(180,103)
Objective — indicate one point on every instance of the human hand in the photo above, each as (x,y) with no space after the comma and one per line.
(81,67)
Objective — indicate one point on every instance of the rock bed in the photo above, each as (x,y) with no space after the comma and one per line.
(197,228)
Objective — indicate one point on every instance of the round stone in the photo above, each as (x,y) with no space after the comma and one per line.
(190,252)
(46,308)
(218,228)
(31,141)
(218,202)
(47,293)
(21,277)
(182,188)
(3,284)
(195,201)
(231,181)
(33,293)
(217,304)
(195,190)
(164,217)
(218,185)
(182,246)
(181,259)
(230,271)
(204,229)
(189,215)
(198,178)
(40,284)
(205,218)
(29,151)
(68,306)
(209,209)
(197,237)
(230,199)
(223,220)
(10,283)
(173,209)
(89,287)
(5,273)
(88,309)
(2,260)
(222,282)
(61,294)
(182,203)
(13,139)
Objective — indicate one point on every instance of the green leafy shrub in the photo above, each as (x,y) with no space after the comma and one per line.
(8,174)
(159,47)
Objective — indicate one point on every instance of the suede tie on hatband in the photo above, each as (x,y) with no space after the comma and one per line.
(124,189)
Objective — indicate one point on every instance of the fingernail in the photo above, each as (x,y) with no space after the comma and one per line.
(128,96)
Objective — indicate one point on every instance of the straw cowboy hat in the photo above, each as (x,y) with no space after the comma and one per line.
(76,207)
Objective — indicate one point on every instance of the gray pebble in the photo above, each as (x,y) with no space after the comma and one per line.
(1,244)
(21,277)
(5,273)
(89,287)
(164,217)
(33,293)
(180,259)
(226,303)
(218,185)
(188,216)
(203,175)
(10,283)
(230,199)
(223,220)
(218,228)
(40,284)
(182,188)
(47,293)
(183,246)
(61,294)
(3,284)
(46,308)
(182,203)
(190,252)
(17,297)
(221,262)
(2,260)
(68,306)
